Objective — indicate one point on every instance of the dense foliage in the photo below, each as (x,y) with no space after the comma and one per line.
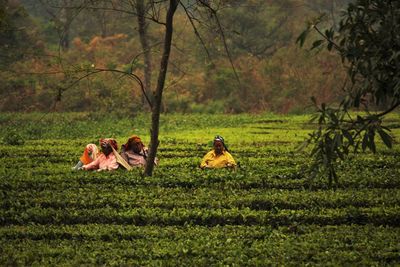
(368,44)
(274,74)
(266,212)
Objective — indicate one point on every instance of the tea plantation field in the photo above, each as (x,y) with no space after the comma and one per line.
(267,212)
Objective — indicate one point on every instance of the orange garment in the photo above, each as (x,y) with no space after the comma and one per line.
(133,139)
(89,154)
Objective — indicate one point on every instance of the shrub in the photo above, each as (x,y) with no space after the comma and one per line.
(14,138)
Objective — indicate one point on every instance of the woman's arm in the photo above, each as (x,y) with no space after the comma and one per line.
(92,165)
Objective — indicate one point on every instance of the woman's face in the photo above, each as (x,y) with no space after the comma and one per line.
(136,147)
(218,147)
(106,149)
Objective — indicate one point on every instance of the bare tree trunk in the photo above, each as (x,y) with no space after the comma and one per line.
(156,107)
(140,9)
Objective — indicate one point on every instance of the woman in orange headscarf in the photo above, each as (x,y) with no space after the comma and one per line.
(134,152)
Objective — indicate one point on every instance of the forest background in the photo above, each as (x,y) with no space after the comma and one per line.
(43,42)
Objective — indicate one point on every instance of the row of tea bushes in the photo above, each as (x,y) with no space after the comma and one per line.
(267,212)
(95,244)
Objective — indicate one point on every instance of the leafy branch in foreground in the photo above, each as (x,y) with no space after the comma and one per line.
(339,134)
(368,44)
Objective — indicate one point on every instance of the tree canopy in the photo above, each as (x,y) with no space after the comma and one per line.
(274,74)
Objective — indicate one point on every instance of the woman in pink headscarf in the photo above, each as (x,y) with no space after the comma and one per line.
(106,160)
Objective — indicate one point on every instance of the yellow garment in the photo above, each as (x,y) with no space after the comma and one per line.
(211,160)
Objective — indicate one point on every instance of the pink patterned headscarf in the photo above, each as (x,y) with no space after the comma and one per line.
(111,141)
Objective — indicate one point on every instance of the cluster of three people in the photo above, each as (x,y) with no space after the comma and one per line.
(134,154)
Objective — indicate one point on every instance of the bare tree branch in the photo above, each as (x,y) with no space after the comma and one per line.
(214,13)
(190,17)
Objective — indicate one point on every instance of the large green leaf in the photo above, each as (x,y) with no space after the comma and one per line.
(386,138)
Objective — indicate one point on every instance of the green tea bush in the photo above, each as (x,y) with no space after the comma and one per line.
(266,212)
(13,137)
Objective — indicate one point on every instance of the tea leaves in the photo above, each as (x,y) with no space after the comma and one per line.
(267,212)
